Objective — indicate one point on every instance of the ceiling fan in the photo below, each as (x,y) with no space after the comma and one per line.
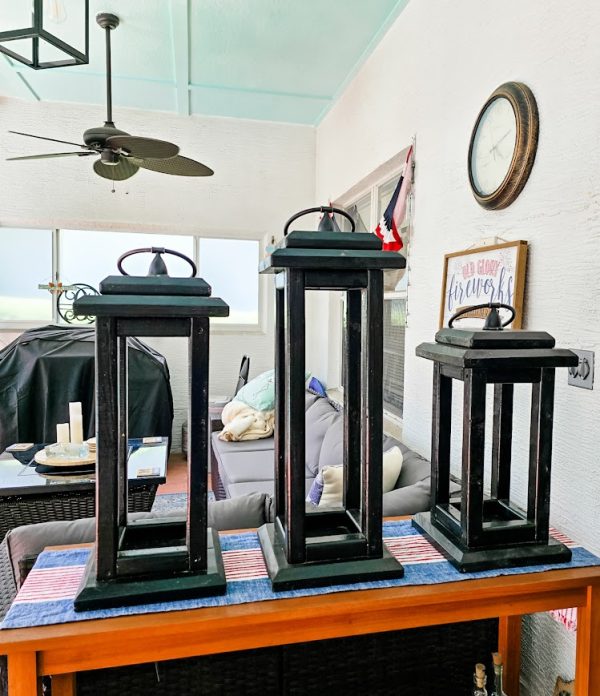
(121,154)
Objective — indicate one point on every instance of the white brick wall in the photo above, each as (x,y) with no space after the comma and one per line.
(430,76)
(264,172)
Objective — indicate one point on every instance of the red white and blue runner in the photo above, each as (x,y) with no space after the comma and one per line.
(47,594)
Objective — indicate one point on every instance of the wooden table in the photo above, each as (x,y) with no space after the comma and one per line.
(65,649)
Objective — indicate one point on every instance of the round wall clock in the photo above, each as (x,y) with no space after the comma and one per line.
(503,145)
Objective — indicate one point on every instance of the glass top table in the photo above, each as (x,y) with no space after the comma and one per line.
(27,497)
(147,462)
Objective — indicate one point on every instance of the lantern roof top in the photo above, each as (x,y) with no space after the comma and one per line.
(479,348)
(331,251)
(154,285)
(152,296)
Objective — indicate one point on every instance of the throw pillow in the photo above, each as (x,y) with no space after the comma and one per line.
(259,393)
(330,480)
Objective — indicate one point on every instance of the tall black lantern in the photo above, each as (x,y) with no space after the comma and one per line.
(44,34)
(476,531)
(309,548)
(149,560)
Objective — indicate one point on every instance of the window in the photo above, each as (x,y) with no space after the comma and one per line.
(84,256)
(88,257)
(26,263)
(366,210)
(231,267)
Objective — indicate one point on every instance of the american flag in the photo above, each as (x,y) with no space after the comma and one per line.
(388,228)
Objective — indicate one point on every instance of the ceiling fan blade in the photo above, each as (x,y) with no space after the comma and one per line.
(51,154)
(142,147)
(52,140)
(178,166)
(116,172)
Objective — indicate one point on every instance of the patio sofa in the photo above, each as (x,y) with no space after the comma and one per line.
(239,468)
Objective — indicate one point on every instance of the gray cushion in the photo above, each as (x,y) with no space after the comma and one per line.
(407,500)
(249,511)
(414,467)
(268,487)
(320,417)
(243,446)
(332,449)
(247,466)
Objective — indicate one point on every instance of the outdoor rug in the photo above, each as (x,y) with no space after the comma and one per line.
(46,596)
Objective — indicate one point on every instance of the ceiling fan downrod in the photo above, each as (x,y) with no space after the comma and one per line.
(108,22)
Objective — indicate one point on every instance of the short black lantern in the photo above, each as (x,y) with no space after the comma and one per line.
(46,34)
(304,547)
(476,531)
(149,560)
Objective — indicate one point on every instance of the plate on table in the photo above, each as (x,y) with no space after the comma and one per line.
(82,471)
(42,458)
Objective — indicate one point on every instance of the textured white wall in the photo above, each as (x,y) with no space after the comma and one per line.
(429,77)
(263,173)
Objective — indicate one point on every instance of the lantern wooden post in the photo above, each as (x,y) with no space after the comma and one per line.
(149,560)
(310,547)
(477,531)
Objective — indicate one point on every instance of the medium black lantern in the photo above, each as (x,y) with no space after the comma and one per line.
(149,560)
(476,531)
(306,548)
(46,33)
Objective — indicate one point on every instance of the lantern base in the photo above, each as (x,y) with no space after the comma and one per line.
(292,576)
(95,594)
(473,560)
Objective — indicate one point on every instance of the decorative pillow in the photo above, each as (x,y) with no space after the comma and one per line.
(259,393)
(327,488)
(316,387)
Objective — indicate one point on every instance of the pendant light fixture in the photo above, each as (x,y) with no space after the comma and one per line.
(46,33)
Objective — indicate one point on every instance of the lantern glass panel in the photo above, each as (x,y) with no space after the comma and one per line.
(64,19)
(22,47)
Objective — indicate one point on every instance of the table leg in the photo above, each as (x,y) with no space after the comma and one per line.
(63,685)
(509,646)
(22,674)
(587,664)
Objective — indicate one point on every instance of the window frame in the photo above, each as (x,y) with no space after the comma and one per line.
(371,185)
(260,327)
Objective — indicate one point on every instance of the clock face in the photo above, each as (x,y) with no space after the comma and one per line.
(493,146)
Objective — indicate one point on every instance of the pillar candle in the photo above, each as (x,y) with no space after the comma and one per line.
(76,421)
(62,433)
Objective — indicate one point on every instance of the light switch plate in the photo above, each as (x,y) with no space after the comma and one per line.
(583,375)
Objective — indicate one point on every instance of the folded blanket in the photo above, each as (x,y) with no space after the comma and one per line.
(242,422)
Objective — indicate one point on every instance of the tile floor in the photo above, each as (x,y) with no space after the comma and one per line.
(176,475)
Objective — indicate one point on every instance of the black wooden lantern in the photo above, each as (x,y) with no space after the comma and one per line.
(309,548)
(149,560)
(44,34)
(476,531)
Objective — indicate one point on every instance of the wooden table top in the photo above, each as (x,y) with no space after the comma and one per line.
(131,639)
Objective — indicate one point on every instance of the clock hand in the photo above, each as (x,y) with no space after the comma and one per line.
(501,139)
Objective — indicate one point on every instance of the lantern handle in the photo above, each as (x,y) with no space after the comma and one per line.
(492,321)
(157,266)
(319,209)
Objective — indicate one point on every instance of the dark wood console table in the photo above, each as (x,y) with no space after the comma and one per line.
(65,649)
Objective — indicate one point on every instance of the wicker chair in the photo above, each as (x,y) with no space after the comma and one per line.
(420,661)
(16,511)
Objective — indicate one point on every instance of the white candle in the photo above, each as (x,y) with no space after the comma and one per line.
(62,433)
(76,420)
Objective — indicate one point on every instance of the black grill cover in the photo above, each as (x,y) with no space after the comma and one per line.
(46,368)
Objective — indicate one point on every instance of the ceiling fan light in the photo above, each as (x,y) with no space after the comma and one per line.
(110,157)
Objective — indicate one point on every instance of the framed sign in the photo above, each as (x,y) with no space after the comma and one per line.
(494,273)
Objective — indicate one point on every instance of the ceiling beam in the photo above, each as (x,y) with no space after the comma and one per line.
(15,81)
(180,38)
